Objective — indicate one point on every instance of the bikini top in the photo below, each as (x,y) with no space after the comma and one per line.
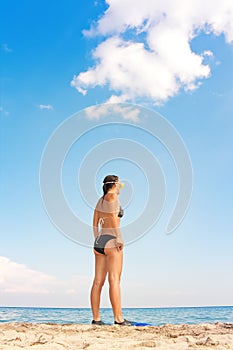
(121,212)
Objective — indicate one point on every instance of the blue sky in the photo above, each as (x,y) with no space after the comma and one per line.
(43,47)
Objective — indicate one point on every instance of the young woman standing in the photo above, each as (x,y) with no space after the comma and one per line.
(108,250)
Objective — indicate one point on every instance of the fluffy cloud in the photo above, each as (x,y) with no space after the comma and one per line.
(6,48)
(48,107)
(127,112)
(146,50)
(19,279)
(3,111)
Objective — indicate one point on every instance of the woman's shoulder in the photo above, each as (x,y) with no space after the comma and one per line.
(107,203)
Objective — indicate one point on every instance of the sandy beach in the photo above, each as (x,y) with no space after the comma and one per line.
(217,336)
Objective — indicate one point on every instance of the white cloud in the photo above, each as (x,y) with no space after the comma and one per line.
(18,279)
(3,111)
(146,51)
(71,291)
(6,48)
(48,107)
(127,112)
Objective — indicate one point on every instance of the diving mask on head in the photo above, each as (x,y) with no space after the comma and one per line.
(114,182)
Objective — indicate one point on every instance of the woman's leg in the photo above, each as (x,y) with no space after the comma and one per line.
(100,275)
(114,258)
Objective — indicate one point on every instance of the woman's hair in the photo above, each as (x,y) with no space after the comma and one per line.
(109,181)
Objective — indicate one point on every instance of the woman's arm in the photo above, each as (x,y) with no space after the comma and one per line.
(95,223)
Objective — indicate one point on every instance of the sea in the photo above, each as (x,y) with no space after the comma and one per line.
(152,316)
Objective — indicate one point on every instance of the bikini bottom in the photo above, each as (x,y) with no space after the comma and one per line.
(101,241)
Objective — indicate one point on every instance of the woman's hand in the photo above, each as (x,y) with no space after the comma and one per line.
(119,243)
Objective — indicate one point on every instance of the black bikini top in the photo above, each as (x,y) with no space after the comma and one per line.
(121,212)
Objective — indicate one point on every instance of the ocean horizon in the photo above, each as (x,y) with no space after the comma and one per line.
(156,316)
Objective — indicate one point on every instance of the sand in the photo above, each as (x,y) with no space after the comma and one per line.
(73,336)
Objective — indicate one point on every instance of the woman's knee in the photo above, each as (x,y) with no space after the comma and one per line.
(98,282)
(114,278)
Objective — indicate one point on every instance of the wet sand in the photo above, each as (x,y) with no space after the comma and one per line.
(217,336)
